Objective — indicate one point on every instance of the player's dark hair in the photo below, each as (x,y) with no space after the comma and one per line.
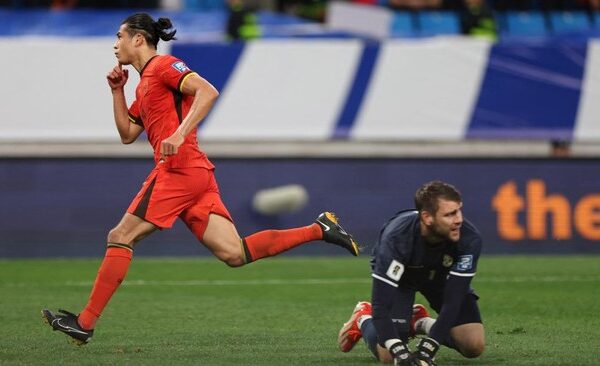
(426,197)
(152,31)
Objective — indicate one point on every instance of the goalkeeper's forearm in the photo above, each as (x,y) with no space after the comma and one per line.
(454,294)
(382,299)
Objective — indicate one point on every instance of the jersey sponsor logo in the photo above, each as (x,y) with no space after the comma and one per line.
(180,66)
(465,262)
(395,270)
(447,261)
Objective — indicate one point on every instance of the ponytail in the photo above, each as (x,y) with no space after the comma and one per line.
(164,24)
(152,31)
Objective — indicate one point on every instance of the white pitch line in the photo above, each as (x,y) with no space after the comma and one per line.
(338,281)
(308,281)
(538,279)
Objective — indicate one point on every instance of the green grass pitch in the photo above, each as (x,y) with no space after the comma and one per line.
(285,311)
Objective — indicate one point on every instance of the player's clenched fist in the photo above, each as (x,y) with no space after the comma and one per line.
(117,77)
(170,145)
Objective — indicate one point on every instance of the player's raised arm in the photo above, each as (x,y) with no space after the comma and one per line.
(117,78)
(205,96)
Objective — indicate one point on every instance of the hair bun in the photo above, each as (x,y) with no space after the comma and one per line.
(163,23)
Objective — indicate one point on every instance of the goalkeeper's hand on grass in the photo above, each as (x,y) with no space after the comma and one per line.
(399,351)
(426,350)
(423,356)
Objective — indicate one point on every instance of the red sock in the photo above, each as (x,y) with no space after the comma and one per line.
(268,243)
(110,275)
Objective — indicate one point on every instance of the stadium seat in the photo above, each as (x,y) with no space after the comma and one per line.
(436,22)
(569,21)
(526,24)
(402,25)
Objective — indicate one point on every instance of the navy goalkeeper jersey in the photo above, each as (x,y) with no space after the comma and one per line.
(402,258)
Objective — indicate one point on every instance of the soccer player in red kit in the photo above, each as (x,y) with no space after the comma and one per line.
(170,102)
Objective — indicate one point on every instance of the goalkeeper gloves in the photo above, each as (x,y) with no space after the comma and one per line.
(426,350)
(399,350)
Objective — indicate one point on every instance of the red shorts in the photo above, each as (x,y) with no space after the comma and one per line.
(189,193)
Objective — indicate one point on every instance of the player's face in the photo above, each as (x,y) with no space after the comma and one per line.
(447,220)
(124,46)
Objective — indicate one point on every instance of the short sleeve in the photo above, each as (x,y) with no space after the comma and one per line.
(134,114)
(174,73)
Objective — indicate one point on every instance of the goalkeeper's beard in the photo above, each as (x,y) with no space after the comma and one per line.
(438,234)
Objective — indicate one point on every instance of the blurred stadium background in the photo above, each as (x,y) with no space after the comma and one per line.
(358,102)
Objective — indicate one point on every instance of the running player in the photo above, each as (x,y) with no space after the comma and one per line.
(171,100)
(432,250)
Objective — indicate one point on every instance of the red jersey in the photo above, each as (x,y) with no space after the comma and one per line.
(160,107)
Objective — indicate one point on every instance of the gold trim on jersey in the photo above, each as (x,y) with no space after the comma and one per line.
(184,79)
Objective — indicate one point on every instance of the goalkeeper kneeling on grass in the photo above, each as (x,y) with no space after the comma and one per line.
(434,251)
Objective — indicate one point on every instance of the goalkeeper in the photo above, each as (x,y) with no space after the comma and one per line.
(432,250)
